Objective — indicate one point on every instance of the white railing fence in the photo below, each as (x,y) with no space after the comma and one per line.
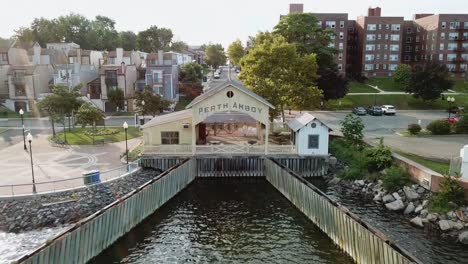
(217,149)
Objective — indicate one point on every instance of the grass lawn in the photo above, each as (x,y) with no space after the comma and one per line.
(7,113)
(385,84)
(437,166)
(461,86)
(78,137)
(400,101)
(206,71)
(3,130)
(357,87)
(133,155)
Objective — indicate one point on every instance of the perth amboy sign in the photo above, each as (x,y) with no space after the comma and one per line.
(229,106)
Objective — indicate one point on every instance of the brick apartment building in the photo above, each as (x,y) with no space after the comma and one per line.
(375,45)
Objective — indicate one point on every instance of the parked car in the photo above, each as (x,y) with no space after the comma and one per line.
(359,110)
(453,120)
(375,110)
(216,75)
(388,110)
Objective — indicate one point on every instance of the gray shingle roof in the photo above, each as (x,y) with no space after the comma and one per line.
(302,120)
(218,86)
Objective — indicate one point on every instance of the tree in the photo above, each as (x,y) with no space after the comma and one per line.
(352,127)
(154,39)
(303,30)
(75,28)
(116,98)
(333,84)
(89,115)
(275,70)
(154,103)
(235,52)
(402,76)
(214,55)
(191,73)
(128,40)
(62,102)
(428,81)
(102,35)
(179,46)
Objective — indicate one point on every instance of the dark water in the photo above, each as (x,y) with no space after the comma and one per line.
(427,245)
(227,221)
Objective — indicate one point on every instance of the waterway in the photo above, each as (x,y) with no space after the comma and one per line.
(225,221)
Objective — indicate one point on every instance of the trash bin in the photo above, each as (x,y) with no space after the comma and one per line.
(91,177)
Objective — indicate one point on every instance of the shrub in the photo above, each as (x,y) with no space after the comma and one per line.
(450,196)
(352,127)
(351,155)
(395,178)
(101,132)
(414,129)
(461,127)
(439,127)
(378,158)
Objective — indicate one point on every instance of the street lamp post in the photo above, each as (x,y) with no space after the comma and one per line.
(450,101)
(125,126)
(21,112)
(30,138)
(143,111)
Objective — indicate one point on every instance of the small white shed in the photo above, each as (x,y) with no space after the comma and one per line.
(309,135)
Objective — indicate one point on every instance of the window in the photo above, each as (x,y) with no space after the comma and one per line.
(453,36)
(330,24)
(433,36)
(408,48)
(371,27)
(444,25)
(370,37)
(392,67)
(409,30)
(454,25)
(319,24)
(157,77)
(377,66)
(341,35)
(370,57)
(395,27)
(432,47)
(442,36)
(451,57)
(340,56)
(368,67)
(313,142)
(332,36)
(463,67)
(441,57)
(3,57)
(416,48)
(386,46)
(451,67)
(378,56)
(386,36)
(417,38)
(408,40)
(394,47)
(407,58)
(384,66)
(387,26)
(340,46)
(380,26)
(370,47)
(111,61)
(378,46)
(465,25)
(169,138)
(385,56)
(395,37)
(341,24)
(393,57)
(340,67)
(452,46)
(465,35)
(380,36)
(331,44)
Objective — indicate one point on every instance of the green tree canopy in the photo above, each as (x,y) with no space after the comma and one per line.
(352,127)
(303,30)
(128,40)
(402,76)
(102,35)
(276,71)
(88,115)
(179,46)
(116,98)
(214,55)
(154,39)
(154,103)
(235,52)
(191,73)
(429,80)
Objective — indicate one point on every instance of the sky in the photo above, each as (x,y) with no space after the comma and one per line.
(201,21)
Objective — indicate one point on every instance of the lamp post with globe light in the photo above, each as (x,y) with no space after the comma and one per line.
(143,112)
(125,126)
(29,137)
(450,101)
(21,112)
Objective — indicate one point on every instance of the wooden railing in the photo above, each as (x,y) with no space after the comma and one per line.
(182,150)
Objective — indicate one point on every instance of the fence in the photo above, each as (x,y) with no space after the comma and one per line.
(15,190)
(357,238)
(186,150)
(306,166)
(92,235)
(230,167)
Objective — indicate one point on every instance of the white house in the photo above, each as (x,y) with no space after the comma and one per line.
(309,135)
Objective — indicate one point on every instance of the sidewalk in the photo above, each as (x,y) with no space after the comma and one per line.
(57,163)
